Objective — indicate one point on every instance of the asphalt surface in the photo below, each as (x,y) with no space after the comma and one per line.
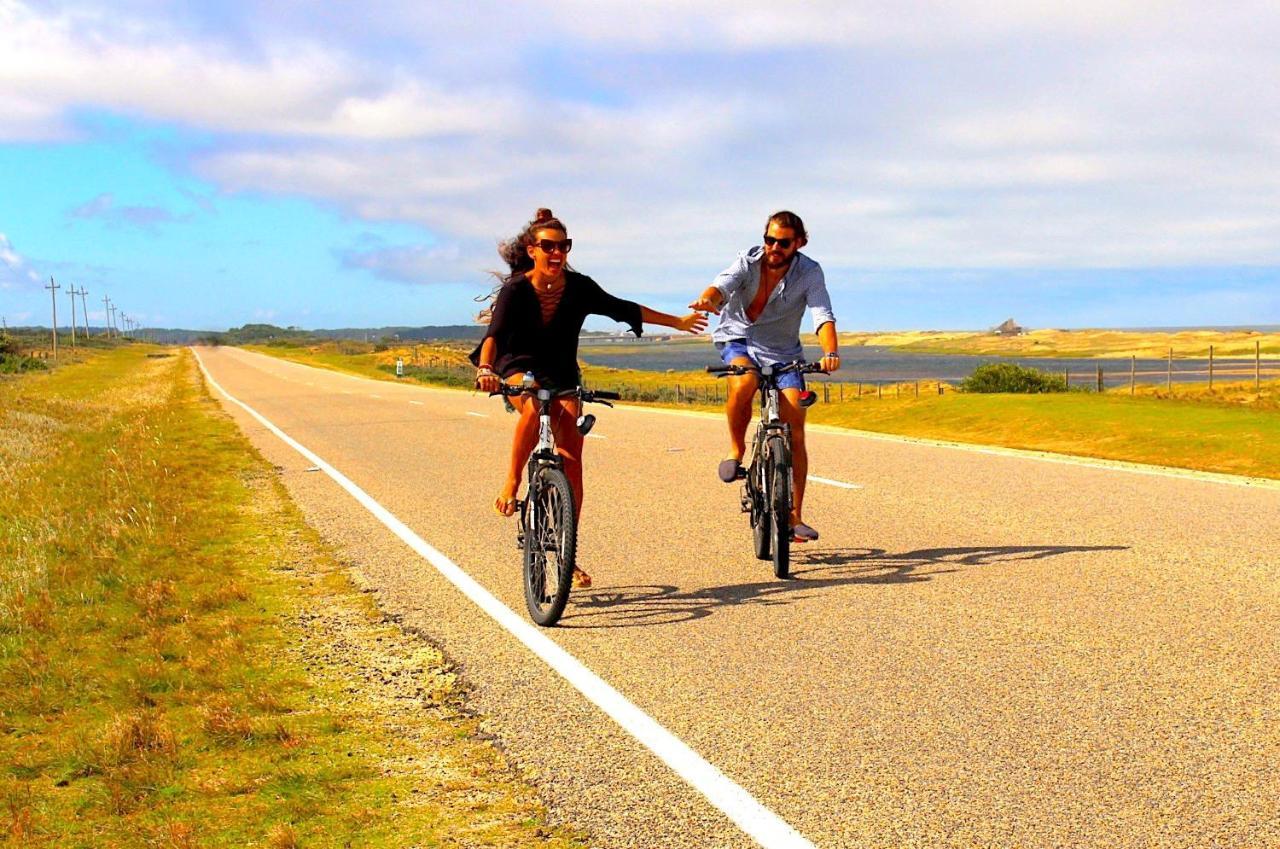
(980,651)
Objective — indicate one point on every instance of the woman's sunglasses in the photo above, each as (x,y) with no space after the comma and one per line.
(549,245)
(782,243)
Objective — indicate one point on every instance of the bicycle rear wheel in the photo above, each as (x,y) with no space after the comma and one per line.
(780,506)
(550,545)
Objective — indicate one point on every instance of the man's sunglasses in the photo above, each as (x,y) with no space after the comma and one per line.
(782,243)
(549,245)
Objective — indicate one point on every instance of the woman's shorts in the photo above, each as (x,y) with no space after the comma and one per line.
(735,348)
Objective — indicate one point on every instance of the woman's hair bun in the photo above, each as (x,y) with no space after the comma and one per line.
(543,214)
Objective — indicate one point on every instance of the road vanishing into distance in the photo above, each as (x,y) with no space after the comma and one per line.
(982,649)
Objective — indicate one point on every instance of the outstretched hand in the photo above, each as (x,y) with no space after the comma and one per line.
(694,322)
(705,305)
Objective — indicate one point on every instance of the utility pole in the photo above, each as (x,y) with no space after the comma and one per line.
(106,311)
(71,293)
(53,294)
(111,319)
(85,311)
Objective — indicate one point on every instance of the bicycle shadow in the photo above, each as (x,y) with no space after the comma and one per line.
(811,569)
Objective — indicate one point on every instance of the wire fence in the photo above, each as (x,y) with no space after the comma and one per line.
(1104,375)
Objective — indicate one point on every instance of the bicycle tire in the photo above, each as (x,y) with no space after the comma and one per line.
(780,506)
(760,530)
(550,545)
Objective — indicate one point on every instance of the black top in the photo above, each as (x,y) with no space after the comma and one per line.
(550,351)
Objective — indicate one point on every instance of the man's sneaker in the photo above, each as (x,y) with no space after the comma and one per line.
(803,533)
(731,470)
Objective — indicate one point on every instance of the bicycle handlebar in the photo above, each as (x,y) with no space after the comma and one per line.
(586,395)
(801,367)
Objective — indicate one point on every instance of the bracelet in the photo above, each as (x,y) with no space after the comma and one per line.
(484,368)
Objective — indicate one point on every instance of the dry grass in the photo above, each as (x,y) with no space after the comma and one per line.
(153,690)
(282,835)
(1080,343)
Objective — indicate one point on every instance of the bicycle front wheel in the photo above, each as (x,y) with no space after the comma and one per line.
(780,506)
(550,545)
(760,524)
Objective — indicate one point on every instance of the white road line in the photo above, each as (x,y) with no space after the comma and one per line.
(371,395)
(596,436)
(478,415)
(416,403)
(830,482)
(762,824)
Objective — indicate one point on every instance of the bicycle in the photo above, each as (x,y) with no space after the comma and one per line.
(547,533)
(767,489)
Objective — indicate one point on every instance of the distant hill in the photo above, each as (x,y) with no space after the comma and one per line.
(258,333)
(410,334)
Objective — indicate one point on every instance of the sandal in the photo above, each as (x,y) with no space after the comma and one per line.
(506,505)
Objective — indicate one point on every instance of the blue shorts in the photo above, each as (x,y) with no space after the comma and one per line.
(735,348)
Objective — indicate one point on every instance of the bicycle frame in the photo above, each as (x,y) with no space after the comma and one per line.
(768,485)
(547,527)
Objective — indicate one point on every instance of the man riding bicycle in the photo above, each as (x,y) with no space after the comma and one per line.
(761,300)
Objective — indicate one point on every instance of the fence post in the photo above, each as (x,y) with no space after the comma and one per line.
(1257,365)
(1066,378)
(1210,368)
(842,392)
(1169,381)
(679,396)
(1099,378)
(826,393)
(917,387)
(879,390)
(859,390)
(1133,373)
(939,386)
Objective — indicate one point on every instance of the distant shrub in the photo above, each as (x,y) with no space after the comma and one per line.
(17,363)
(1009,377)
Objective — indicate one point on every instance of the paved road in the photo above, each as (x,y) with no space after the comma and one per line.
(980,651)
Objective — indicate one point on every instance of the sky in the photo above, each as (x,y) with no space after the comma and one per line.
(205,165)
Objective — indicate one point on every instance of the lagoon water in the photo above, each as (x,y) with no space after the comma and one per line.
(882,364)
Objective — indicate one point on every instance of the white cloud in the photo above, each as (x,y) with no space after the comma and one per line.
(920,135)
(49,64)
(15,271)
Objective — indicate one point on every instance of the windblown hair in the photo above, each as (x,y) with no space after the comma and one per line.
(514,251)
(790,220)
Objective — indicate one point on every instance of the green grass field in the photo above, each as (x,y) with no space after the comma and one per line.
(1231,429)
(168,669)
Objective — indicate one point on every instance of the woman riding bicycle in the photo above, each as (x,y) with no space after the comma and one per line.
(535,325)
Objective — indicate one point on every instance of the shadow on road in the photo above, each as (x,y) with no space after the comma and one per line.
(811,569)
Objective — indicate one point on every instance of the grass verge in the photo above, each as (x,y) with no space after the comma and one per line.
(1231,429)
(183,664)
